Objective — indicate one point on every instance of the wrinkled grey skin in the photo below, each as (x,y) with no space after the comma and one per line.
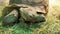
(29,14)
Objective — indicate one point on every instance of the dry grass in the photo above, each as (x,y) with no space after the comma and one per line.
(51,26)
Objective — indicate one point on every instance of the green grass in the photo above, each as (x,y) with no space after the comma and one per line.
(51,26)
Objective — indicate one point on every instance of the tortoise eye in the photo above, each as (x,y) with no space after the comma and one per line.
(40,13)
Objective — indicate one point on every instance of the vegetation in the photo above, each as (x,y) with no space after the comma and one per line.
(51,26)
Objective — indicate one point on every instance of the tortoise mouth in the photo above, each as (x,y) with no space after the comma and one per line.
(40,18)
(43,19)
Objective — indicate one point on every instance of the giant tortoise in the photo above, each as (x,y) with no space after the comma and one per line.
(28,12)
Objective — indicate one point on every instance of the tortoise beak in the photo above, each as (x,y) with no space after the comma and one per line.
(41,18)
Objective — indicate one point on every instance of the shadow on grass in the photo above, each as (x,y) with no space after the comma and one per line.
(3,13)
(0,19)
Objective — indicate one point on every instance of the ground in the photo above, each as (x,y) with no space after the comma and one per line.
(51,26)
